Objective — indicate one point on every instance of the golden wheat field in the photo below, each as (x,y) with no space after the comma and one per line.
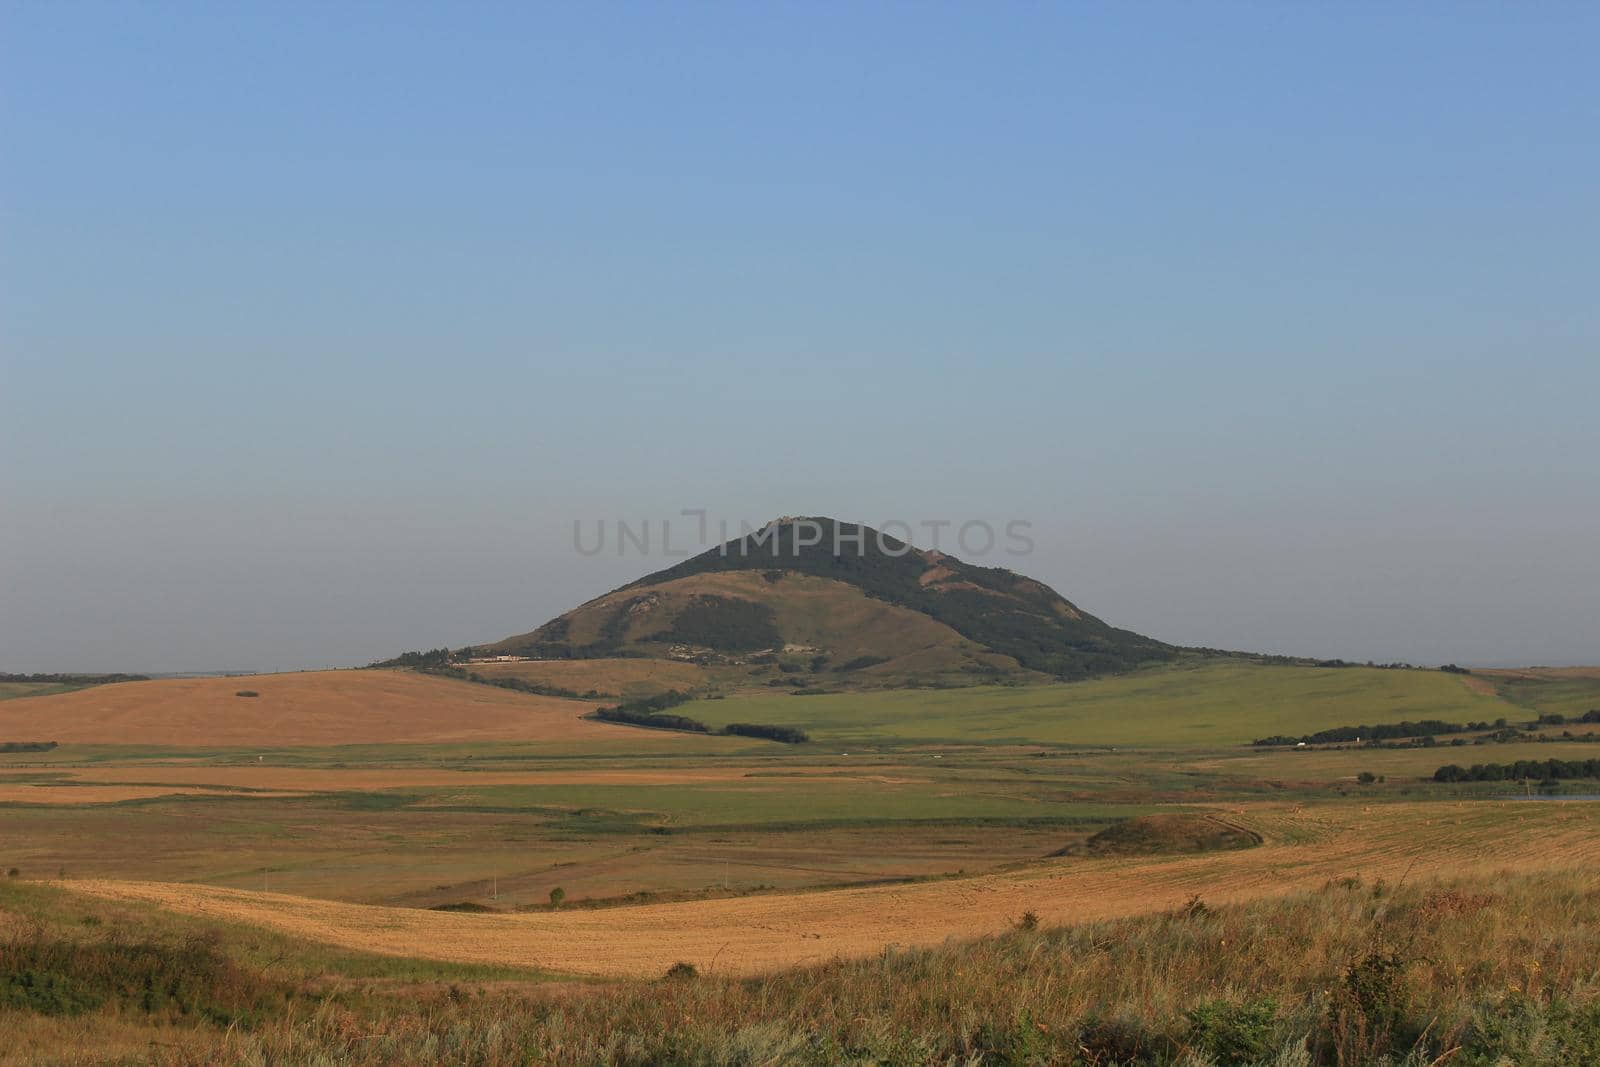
(310,708)
(1303,848)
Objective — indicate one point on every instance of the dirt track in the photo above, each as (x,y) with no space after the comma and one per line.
(759,933)
(46,793)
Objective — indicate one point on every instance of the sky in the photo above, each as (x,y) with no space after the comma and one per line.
(322,324)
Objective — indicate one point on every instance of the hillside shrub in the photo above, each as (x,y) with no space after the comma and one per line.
(789,735)
(1233,1033)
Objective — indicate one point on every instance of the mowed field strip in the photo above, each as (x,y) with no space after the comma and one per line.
(744,935)
(100,784)
(12,792)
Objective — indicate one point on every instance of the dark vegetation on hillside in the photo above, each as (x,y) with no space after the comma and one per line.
(27,746)
(725,625)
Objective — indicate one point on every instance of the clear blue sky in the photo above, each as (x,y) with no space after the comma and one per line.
(321,323)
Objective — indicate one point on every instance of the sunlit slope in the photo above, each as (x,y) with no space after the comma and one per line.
(1214,703)
(310,708)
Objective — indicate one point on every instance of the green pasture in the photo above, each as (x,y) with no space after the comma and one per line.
(1209,704)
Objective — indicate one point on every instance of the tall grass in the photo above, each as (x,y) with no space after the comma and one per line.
(1487,972)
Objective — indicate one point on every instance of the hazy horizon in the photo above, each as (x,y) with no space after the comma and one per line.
(320,326)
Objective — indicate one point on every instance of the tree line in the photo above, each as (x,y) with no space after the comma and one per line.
(75,679)
(1550,770)
(1380,732)
(651,712)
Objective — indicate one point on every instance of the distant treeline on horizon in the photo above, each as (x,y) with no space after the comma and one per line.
(74,679)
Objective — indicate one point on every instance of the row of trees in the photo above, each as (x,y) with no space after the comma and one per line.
(1381,732)
(651,711)
(1555,718)
(1550,770)
(74,679)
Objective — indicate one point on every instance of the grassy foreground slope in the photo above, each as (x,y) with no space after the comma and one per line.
(1373,965)
(1216,702)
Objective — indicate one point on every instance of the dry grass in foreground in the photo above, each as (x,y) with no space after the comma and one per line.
(1496,970)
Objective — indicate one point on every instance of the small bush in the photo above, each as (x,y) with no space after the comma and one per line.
(247,693)
(1029,921)
(1233,1033)
(1369,1005)
(1522,1030)
(557,895)
(1112,1041)
(681,971)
